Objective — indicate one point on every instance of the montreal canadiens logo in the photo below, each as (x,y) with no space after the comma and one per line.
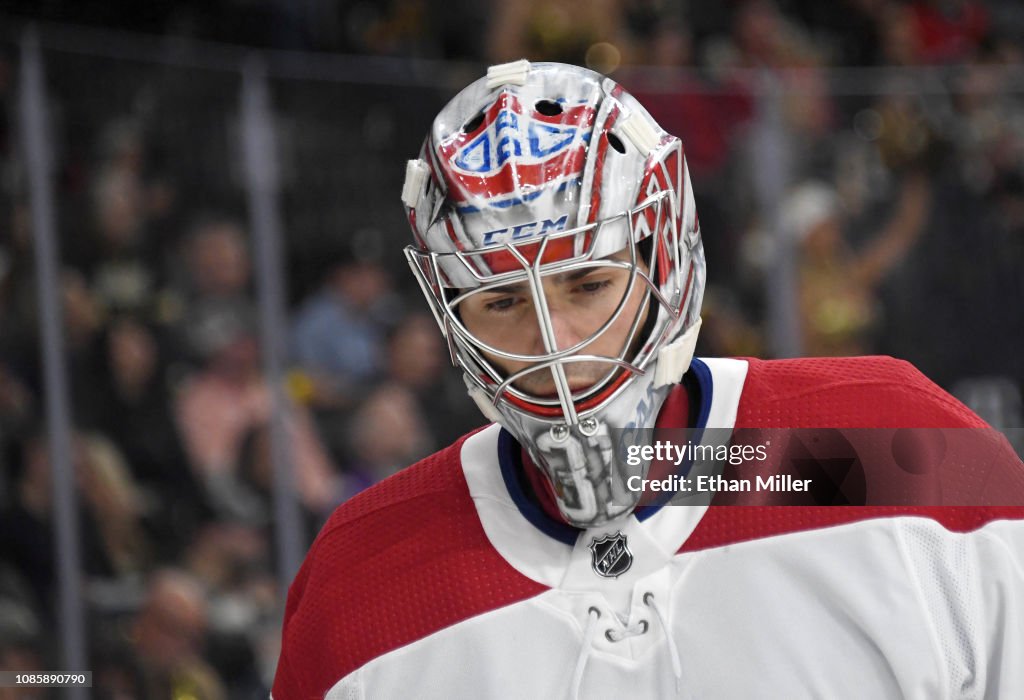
(509,131)
(515,154)
(611,556)
(504,138)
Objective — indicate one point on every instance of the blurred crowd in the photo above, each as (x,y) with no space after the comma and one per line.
(898,206)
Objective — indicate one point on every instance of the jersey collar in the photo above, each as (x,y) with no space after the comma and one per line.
(541,547)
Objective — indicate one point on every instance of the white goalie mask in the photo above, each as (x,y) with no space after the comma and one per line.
(536,174)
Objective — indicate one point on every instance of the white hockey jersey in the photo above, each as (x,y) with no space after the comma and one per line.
(446,581)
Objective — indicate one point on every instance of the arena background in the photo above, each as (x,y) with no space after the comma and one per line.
(208,336)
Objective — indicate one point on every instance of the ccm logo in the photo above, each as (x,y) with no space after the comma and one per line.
(524,231)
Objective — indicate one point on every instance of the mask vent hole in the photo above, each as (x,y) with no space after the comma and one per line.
(615,142)
(473,124)
(549,108)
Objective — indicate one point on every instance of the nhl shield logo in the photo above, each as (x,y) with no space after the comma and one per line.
(611,556)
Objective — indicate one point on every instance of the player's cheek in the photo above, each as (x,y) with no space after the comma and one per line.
(479,323)
(608,303)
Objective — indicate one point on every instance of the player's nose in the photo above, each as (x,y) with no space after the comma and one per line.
(564,327)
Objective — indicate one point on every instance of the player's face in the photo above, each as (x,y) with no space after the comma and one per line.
(578,302)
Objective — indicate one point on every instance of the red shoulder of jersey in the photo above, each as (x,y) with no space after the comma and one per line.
(400,561)
(846,392)
(979,470)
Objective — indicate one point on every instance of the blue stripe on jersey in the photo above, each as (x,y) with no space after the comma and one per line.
(510,458)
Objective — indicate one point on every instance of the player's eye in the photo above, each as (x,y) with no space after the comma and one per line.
(593,286)
(501,304)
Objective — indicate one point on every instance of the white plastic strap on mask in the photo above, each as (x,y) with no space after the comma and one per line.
(508,74)
(482,401)
(674,359)
(416,174)
(640,132)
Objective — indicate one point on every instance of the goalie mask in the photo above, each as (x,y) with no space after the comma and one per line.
(558,247)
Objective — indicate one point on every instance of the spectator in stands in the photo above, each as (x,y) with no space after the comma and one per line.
(122,252)
(387,430)
(227,397)
(233,562)
(218,259)
(134,409)
(837,284)
(338,333)
(169,635)
(185,292)
(216,280)
(113,541)
(418,360)
(123,272)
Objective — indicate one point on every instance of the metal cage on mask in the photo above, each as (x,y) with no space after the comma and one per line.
(445,279)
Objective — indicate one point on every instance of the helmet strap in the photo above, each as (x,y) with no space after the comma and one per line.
(482,401)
